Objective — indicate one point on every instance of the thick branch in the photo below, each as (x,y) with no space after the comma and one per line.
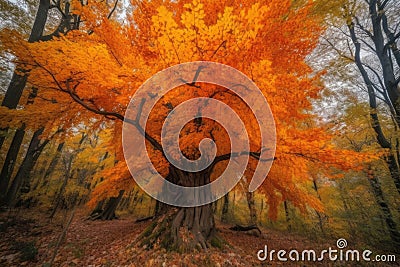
(384,143)
(377,17)
(77,99)
(392,39)
(68,22)
(196,75)
(135,123)
(227,156)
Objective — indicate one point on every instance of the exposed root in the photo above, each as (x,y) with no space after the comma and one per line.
(145,219)
(251,229)
(183,230)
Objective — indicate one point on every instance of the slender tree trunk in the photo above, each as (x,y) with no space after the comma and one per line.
(288,219)
(225,208)
(60,194)
(13,94)
(394,170)
(252,208)
(9,163)
(23,175)
(39,170)
(40,21)
(379,26)
(43,178)
(99,207)
(134,201)
(385,209)
(125,201)
(321,217)
(54,161)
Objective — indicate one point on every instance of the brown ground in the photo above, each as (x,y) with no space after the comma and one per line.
(111,243)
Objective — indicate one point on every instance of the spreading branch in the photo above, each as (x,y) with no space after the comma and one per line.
(71,91)
(256,155)
(196,76)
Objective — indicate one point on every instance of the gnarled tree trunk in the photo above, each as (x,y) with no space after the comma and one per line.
(183,229)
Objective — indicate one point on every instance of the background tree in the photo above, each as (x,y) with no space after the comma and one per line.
(41,24)
(365,35)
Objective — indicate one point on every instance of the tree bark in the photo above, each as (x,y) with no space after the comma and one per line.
(385,209)
(252,208)
(9,163)
(54,161)
(225,208)
(108,213)
(96,213)
(126,200)
(60,194)
(288,219)
(111,206)
(23,175)
(160,208)
(43,178)
(183,229)
(394,169)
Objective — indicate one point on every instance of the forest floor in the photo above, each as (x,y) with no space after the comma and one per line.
(32,239)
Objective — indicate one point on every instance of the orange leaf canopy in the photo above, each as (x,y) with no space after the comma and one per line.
(107,60)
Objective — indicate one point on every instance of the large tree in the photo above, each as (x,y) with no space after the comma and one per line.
(103,64)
